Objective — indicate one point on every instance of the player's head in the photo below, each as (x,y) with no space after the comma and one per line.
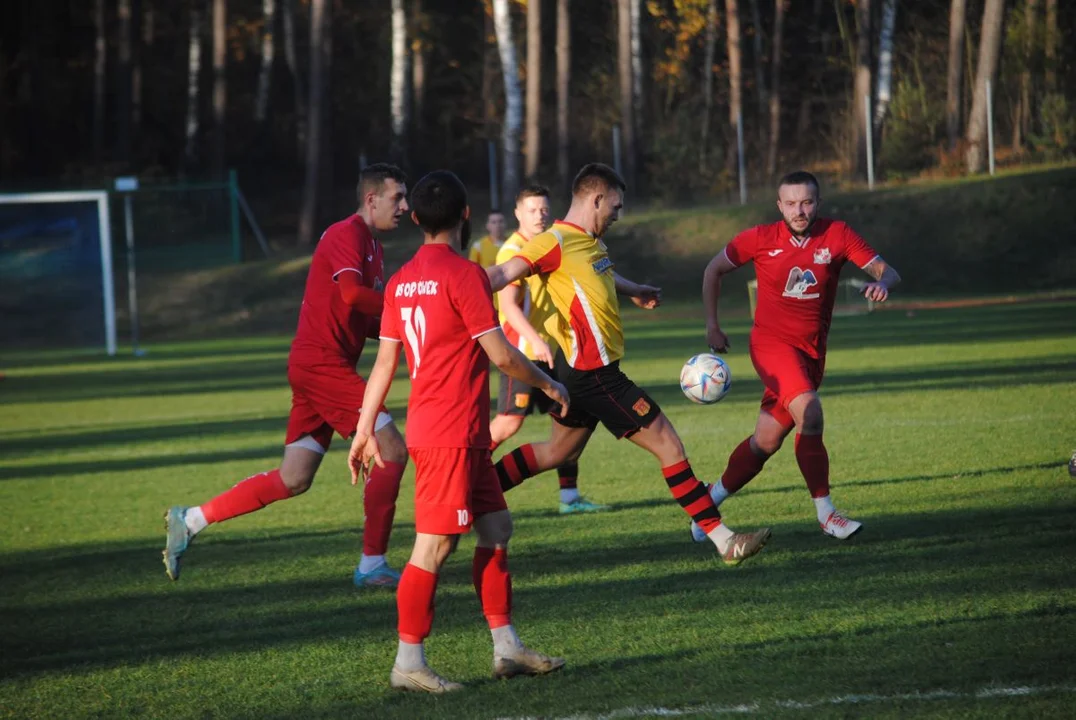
(599,191)
(439,206)
(496,226)
(382,195)
(532,210)
(798,200)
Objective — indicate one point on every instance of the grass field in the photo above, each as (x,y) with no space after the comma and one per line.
(948,432)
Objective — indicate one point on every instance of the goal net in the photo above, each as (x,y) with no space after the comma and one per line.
(56,270)
(850,300)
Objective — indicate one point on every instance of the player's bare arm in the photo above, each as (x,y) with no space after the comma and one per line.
(508,272)
(364,447)
(885,277)
(515,364)
(647,297)
(510,300)
(711,297)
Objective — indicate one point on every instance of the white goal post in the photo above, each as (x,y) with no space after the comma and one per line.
(100,197)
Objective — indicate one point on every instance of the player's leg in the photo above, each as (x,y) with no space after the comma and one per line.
(565,445)
(492,580)
(513,403)
(379,507)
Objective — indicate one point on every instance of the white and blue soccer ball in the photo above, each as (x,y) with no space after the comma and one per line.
(705,379)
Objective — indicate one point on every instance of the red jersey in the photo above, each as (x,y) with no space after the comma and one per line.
(797,279)
(331,332)
(438,305)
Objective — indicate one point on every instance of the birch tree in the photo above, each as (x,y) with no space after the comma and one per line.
(564,76)
(735,55)
(989,50)
(627,105)
(708,79)
(862,88)
(220,84)
(513,97)
(194,72)
(885,62)
(534,87)
(956,70)
(398,82)
(636,75)
(265,74)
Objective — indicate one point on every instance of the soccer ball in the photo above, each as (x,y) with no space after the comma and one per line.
(705,379)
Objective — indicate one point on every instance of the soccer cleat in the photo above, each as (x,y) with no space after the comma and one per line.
(581,505)
(744,545)
(525,662)
(697,534)
(422,680)
(177,540)
(381,576)
(840,527)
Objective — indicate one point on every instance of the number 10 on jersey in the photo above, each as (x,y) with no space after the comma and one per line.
(414,321)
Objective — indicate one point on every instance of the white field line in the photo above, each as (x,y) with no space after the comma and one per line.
(766,707)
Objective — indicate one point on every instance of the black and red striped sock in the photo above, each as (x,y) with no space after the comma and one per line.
(516,466)
(568,475)
(692,495)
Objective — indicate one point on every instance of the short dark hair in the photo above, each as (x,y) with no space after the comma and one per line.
(597,177)
(438,201)
(534,190)
(496,211)
(800,177)
(372,178)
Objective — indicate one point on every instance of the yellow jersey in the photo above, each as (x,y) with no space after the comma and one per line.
(537,304)
(484,251)
(578,274)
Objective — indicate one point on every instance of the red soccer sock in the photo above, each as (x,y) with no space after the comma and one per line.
(743,466)
(493,584)
(568,474)
(516,466)
(692,495)
(814,463)
(379,504)
(414,603)
(251,494)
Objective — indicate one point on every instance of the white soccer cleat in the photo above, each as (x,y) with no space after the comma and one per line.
(422,680)
(840,527)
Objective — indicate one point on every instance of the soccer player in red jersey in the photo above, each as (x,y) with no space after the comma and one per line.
(798,262)
(341,308)
(439,307)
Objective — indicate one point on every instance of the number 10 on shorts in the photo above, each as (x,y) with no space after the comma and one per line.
(462,517)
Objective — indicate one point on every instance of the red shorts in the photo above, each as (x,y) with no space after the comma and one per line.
(322,400)
(453,486)
(787,372)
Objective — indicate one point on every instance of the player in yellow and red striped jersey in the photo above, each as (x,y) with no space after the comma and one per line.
(529,319)
(574,264)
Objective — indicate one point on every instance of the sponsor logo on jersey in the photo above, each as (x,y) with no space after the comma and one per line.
(775,253)
(602,265)
(425,287)
(798,284)
(641,407)
(822,257)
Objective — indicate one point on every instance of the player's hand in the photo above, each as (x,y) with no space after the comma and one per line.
(649,297)
(717,340)
(876,292)
(365,453)
(558,394)
(543,353)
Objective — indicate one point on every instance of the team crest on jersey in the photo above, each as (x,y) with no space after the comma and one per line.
(523,400)
(822,257)
(641,407)
(799,283)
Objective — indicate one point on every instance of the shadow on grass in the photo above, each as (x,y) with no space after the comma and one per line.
(150,462)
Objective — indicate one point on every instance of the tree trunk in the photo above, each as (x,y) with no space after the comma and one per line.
(627,106)
(775,87)
(220,85)
(292,59)
(418,64)
(513,98)
(1050,42)
(956,70)
(760,72)
(708,80)
(564,75)
(885,63)
(308,213)
(1022,122)
(99,60)
(194,72)
(862,88)
(125,94)
(636,79)
(817,45)
(398,82)
(735,55)
(265,75)
(490,61)
(534,87)
(989,51)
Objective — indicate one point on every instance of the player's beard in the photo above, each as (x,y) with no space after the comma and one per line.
(801,233)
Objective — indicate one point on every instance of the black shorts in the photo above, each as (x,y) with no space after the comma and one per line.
(520,399)
(605,395)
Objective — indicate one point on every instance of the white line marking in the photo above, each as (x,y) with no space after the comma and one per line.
(768,706)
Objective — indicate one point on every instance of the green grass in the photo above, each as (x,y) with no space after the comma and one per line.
(948,433)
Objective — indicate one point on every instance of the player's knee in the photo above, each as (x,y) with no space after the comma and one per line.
(766,444)
(812,418)
(494,528)
(297,481)
(670,449)
(393,447)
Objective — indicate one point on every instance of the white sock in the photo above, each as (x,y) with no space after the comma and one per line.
(370,562)
(505,641)
(824,506)
(195,520)
(718,493)
(721,536)
(410,656)
(569,495)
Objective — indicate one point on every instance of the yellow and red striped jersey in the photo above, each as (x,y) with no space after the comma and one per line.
(484,251)
(576,269)
(537,304)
